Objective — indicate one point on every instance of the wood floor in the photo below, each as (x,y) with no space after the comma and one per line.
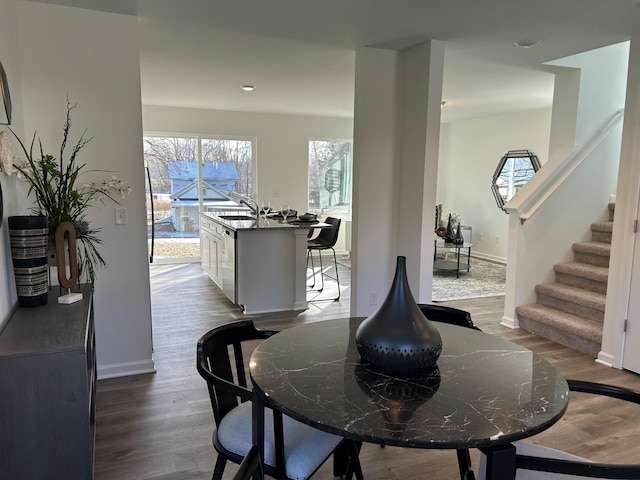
(158,426)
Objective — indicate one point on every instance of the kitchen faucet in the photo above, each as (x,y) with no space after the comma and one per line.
(254,208)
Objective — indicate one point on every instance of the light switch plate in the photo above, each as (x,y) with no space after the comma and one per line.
(121,216)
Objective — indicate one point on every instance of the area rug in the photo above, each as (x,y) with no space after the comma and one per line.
(484,279)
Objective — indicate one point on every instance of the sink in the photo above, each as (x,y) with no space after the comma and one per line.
(236,217)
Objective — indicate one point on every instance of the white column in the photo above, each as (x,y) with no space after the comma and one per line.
(396,139)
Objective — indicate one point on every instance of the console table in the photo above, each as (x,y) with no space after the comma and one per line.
(48,397)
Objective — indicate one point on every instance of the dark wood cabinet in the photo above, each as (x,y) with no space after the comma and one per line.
(48,391)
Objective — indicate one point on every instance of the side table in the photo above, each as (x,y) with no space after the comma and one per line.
(445,264)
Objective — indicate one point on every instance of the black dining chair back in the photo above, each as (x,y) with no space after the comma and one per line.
(325,240)
(537,462)
(444,314)
(292,450)
(461,318)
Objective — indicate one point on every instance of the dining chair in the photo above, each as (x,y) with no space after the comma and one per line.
(326,240)
(250,466)
(461,318)
(292,450)
(444,314)
(538,462)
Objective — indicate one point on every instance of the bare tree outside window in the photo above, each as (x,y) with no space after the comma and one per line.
(159,152)
(330,178)
(238,152)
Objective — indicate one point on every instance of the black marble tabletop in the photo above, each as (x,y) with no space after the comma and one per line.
(486,391)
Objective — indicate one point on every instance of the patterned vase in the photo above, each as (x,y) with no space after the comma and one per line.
(398,338)
(29,237)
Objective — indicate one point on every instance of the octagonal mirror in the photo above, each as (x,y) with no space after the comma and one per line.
(514,170)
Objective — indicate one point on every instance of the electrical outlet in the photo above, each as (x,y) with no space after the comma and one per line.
(373,298)
(276,193)
(481,236)
(498,239)
(121,216)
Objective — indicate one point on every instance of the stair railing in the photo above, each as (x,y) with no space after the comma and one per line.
(550,177)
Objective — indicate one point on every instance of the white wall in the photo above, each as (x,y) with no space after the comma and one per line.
(282,145)
(93,57)
(9,59)
(470,152)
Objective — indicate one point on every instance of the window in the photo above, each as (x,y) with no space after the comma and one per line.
(230,162)
(330,178)
(186,174)
(514,170)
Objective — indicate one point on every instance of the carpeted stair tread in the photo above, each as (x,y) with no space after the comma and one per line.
(591,329)
(593,248)
(605,227)
(583,270)
(564,328)
(579,296)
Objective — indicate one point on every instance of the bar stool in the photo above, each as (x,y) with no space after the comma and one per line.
(325,240)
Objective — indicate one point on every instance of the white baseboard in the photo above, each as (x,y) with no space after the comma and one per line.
(605,358)
(486,256)
(125,369)
(509,322)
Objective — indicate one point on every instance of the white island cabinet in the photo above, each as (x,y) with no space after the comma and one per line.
(260,265)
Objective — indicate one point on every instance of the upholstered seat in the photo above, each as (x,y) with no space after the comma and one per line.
(251,465)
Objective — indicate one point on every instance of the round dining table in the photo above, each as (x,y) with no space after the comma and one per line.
(485,392)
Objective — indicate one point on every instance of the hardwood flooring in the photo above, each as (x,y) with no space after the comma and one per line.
(158,426)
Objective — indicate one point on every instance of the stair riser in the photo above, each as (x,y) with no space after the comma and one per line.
(570,307)
(603,237)
(572,341)
(591,259)
(584,283)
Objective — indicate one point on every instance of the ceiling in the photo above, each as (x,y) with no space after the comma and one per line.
(300,54)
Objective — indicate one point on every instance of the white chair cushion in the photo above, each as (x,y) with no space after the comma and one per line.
(305,448)
(533,450)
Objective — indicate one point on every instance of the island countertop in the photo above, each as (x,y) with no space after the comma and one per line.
(241,220)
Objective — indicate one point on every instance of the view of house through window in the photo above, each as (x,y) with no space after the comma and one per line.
(185,173)
(330,178)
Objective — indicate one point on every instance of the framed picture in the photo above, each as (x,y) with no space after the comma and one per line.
(5,118)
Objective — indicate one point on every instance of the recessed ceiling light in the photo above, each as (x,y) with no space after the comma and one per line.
(248,88)
(527,43)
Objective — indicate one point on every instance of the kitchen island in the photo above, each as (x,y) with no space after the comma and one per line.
(260,265)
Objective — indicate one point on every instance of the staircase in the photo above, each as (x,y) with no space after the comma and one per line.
(570,311)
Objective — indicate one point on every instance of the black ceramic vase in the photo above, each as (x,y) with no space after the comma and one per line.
(29,238)
(458,239)
(398,338)
(450,235)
